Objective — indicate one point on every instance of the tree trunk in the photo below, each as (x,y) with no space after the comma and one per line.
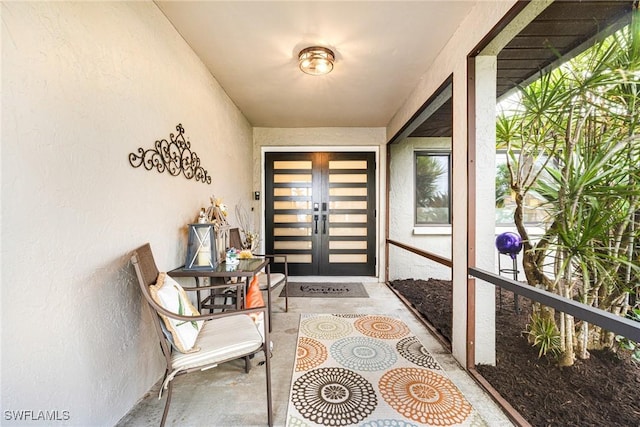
(582,342)
(567,357)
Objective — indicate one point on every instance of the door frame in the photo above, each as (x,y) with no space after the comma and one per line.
(380,217)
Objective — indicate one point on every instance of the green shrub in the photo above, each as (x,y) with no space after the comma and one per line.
(545,335)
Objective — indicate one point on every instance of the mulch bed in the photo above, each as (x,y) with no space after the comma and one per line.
(603,390)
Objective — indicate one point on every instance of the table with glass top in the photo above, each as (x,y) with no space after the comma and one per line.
(236,276)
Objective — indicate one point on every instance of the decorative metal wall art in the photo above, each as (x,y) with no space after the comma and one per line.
(174,156)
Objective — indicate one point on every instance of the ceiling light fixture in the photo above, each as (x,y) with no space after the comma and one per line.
(316,60)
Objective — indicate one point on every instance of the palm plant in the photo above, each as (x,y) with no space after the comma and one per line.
(544,334)
(503,189)
(575,142)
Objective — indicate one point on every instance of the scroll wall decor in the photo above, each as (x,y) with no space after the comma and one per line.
(174,156)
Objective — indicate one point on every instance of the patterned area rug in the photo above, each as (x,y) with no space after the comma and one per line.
(370,371)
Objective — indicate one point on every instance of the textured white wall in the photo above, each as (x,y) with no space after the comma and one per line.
(337,137)
(404,264)
(453,59)
(84,84)
(323,139)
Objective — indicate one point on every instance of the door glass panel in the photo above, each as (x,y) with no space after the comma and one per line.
(301,259)
(345,204)
(350,231)
(292,205)
(292,191)
(292,164)
(347,218)
(290,178)
(299,231)
(353,258)
(356,244)
(348,177)
(291,218)
(292,245)
(341,191)
(347,164)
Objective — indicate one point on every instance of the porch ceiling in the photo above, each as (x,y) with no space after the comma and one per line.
(559,31)
(382,49)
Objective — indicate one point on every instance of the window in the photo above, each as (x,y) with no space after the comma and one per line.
(433,188)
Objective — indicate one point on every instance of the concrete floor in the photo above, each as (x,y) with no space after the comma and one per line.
(226,396)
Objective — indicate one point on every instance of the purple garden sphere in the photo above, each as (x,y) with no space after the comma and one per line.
(509,244)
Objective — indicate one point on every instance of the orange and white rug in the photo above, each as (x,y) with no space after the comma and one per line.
(370,371)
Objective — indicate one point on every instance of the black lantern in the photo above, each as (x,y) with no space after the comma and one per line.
(201,249)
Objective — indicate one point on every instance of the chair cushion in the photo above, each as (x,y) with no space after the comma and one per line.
(220,340)
(254,299)
(169,294)
(276,280)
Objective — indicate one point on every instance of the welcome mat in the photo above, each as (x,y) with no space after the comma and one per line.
(326,290)
(369,370)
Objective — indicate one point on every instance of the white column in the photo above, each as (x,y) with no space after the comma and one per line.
(459,220)
(485,115)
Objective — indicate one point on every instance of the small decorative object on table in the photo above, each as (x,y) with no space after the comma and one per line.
(245,254)
(201,248)
(217,215)
(232,257)
(251,237)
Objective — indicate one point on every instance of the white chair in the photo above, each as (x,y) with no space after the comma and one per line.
(276,279)
(223,337)
(270,282)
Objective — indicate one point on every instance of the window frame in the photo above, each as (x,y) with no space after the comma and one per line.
(432,153)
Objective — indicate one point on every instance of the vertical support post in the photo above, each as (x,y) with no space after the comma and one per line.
(481,228)
(471,212)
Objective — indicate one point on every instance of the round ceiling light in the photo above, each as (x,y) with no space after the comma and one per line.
(316,60)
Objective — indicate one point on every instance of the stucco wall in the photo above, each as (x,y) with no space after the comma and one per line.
(434,239)
(453,59)
(84,84)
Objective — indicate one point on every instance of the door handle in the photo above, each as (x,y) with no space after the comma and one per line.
(324,224)
(315,226)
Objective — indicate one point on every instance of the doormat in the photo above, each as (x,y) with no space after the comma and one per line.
(370,370)
(326,290)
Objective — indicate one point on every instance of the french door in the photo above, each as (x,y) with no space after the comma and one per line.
(320,212)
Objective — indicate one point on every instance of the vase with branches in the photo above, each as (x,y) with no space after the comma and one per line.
(251,238)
